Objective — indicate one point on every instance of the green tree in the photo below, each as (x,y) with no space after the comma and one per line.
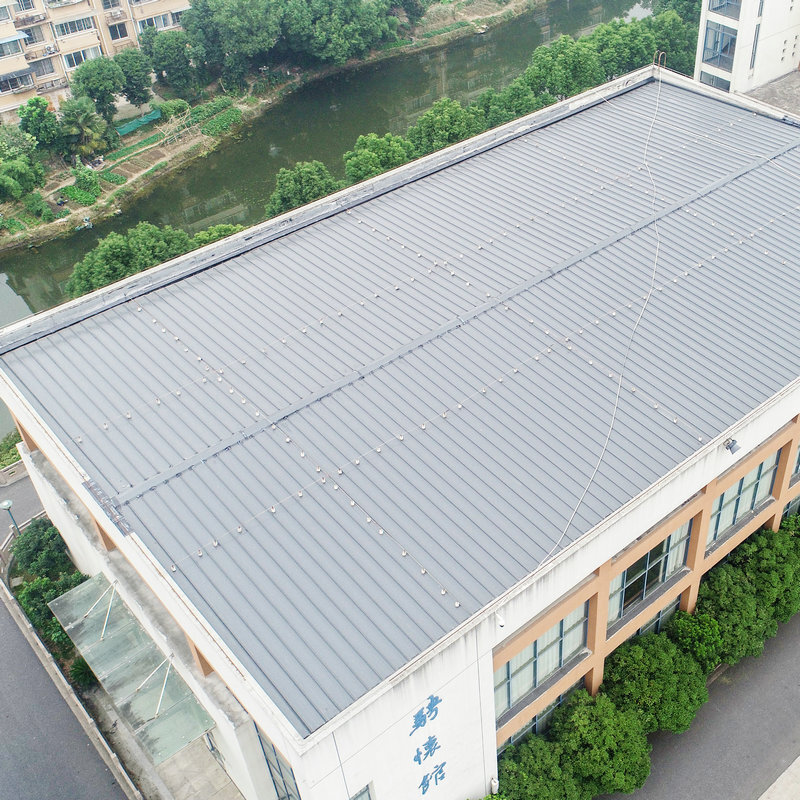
(36,119)
(171,61)
(731,598)
(304,182)
(117,256)
(661,682)
(535,769)
(676,38)
(445,123)
(39,550)
(687,10)
(771,562)
(137,74)
(415,10)
(18,176)
(372,154)
(147,39)
(605,747)
(214,234)
(36,594)
(16,143)
(699,636)
(623,46)
(101,79)
(564,68)
(515,101)
(82,128)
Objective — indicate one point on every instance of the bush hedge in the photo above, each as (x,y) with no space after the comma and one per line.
(222,122)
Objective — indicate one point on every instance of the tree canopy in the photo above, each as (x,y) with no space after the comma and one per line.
(605,746)
(82,127)
(372,154)
(662,683)
(136,72)
(171,60)
(101,79)
(445,123)
(40,550)
(304,182)
(36,119)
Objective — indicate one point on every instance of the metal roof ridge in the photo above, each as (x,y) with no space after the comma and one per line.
(159,276)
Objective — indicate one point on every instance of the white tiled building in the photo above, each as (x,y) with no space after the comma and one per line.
(744,44)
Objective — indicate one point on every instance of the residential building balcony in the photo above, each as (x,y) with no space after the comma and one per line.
(23,20)
(51,85)
(115,15)
(62,3)
(41,50)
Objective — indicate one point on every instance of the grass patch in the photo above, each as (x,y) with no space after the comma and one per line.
(112,177)
(447,28)
(80,196)
(11,225)
(222,122)
(132,148)
(207,110)
(156,167)
(395,43)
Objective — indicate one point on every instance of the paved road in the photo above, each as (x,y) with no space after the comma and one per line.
(44,753)
(743,738)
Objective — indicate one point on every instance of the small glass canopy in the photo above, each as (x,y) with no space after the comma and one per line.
(142,683)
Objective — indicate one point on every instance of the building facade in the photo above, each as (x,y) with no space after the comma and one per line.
(385,478)
(744,44)
(43,41)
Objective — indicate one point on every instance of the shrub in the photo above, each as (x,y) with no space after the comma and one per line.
(658,680)
(699,636)
(222,122)
(207,110)
(170,108)
(40,550)
(214,233)
(79,195)
(87,181)
(605,747)
(36,594)
(731,598)
(536,770)
(8,448)
(81,673)
(113,177)
(35,204)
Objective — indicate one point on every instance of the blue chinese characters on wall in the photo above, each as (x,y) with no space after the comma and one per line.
(426,754)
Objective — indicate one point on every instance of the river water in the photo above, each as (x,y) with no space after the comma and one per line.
(319,121)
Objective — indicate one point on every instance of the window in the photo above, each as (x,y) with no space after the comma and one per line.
(728,8)
(109,4)
(744,496)
(792,508)
(77,58)
(541,722)
(118,31)
(755,46)
(74,26)
(364,794)
(10,48)
(538,661)
(715,81)
(12,83)
(35,35)
(656,625)
(158,22)
(719,46)
(280,772)
(44,66)
(654,568)
(23,5)
(796,470)
(4,13)
(176,16)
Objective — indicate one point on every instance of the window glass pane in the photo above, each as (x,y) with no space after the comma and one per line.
(573,642)
(521,658)
(577,616)
(501,703)
(636,569)
(548,660)
(633,593)
(615,598)
(4,12)
(521,682)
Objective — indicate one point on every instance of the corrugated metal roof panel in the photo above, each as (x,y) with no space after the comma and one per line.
(422,385)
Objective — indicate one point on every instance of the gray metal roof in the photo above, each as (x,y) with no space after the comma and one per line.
(420,385)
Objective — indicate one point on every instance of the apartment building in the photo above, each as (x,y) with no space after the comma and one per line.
(744,44)
(43,41)
(364,491)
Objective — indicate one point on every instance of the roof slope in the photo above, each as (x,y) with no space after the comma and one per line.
(421,386)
